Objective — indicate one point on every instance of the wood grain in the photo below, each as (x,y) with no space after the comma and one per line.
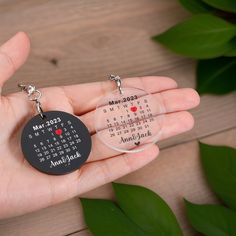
(90,39)
(84,41)
(175,174)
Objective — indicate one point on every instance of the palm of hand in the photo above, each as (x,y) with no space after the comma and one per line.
(24,189)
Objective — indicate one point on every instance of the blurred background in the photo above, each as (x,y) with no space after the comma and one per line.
(79,41)
(83,41)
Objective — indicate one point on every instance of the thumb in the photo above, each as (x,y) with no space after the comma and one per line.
(13,54)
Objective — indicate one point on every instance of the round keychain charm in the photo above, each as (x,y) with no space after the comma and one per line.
(129,119)
(54,142)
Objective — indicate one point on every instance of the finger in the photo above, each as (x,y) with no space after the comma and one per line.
(172,100)
(92,175)
(84,97)
(53,98)
(13,54)
(173,124)
(97,173)
(55,189)
(179,99)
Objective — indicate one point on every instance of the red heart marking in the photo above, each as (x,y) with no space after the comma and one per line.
(133,109)
(58,131)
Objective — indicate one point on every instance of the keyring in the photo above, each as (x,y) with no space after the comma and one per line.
(54,142)
(129,119)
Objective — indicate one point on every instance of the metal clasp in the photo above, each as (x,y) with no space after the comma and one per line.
(117,79)
(33,95)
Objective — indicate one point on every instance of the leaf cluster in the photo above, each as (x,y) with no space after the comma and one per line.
(210,37)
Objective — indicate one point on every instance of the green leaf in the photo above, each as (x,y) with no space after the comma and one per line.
(216,76)
(219,164)
(225,5)
(105,218)
(232,51)
(202,36)
(212,220)
(196,6)
(146,209)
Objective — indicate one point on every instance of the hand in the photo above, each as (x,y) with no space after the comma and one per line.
(24,189)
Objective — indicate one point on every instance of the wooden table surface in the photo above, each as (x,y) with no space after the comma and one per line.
(78,41)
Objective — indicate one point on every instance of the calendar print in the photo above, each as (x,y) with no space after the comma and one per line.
(130,121)
(58,144)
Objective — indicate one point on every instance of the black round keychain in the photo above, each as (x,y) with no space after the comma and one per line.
(54,142)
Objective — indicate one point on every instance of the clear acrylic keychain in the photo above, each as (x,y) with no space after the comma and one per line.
(54,142)
(129,119)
